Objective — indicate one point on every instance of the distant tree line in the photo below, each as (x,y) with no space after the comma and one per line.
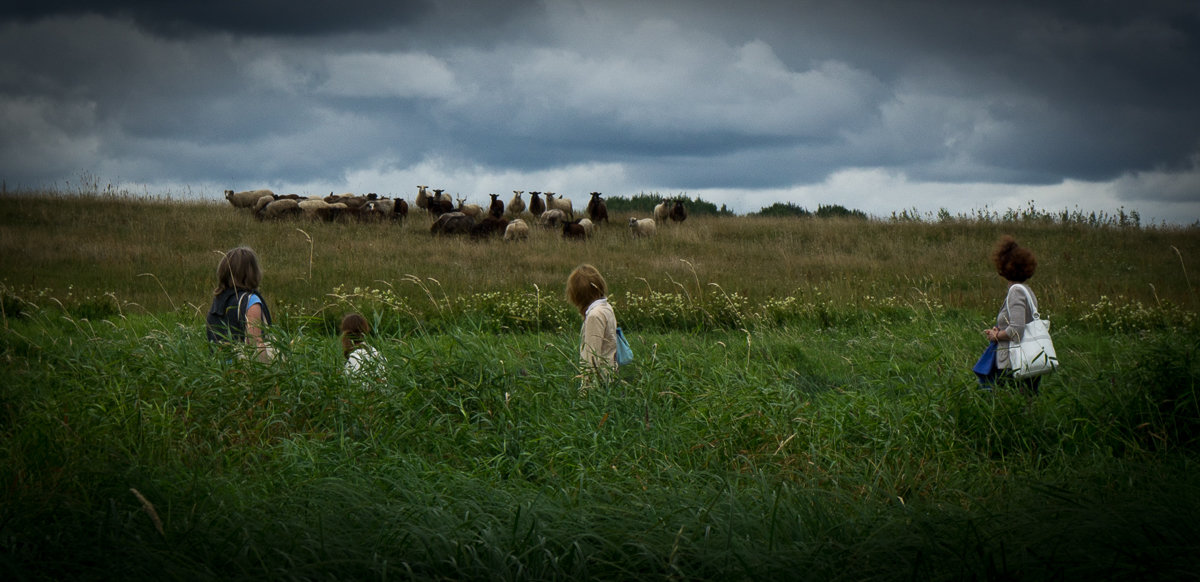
(644,203)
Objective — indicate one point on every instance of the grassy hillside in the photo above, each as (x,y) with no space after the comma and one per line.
(801,406)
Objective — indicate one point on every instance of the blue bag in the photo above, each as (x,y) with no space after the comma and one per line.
(987,363)
(624,353)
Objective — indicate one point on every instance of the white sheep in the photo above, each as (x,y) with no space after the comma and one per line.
(279,209)
(588,226)
(516,230)
(262,202)
(247,198)
(422,197)
(662,211)
(563,204)
(516,206)
(642,226)
(553,218)
(475,211)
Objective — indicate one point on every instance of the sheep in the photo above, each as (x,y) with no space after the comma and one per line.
(678,212)
(497,207)
(278,209)
(552,218)
(563,204)
(574,231)
(489,226)
(587,225)
(247,198)
(597,210)
(516,206)
(439,205)
(661,211)
(472,210)
(536,205)
(399,210)
(452,223)
(262,202)
(642,226)
(317,209)
(422,200)
(518,229)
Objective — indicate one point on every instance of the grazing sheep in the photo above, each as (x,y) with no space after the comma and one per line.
(452,223)
(678,212)
(247,198)
(574,231)
(472,210)
(552,218)
(317,209)
(497,207)
(536,205)
(262,202)
(642,226)
(563,204)
(597,210)
(661,211)
(489,226)
(278,209)
(516,230)
(422,200)
(587,225)
(516,206)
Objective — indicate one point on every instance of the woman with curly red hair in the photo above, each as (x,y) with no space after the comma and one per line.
(1016,264)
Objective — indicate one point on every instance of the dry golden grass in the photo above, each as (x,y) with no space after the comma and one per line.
(159,253)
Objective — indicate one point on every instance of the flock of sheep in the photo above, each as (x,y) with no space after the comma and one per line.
(471,220)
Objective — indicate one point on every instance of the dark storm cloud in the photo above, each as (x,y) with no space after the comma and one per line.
(256,17)
(764,94)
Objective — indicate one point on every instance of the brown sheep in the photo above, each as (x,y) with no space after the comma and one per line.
(497,207)
(597,210)
(678,212)
(452,223)
(574,231)
(488,227)
(536,205)
(247,198)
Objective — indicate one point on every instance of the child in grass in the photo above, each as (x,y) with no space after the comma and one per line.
(239,315)
(588,292)
(362,361)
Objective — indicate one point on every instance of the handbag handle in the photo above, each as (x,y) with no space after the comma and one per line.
(1028,295)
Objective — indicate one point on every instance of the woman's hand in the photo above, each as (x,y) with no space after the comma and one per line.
(994,334)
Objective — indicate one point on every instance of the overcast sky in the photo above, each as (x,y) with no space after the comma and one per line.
(878,105)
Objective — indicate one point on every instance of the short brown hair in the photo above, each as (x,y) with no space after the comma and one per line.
(585,285)
(354,328)
(1013,262)
(238,269)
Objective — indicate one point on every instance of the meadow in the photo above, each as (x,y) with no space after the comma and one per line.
(801,407)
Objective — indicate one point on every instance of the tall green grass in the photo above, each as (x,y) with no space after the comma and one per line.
(801,406)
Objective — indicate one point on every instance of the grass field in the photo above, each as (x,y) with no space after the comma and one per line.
(801,406)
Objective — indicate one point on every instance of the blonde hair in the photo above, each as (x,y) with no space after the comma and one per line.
(238,269)
(354,328)
(585,285)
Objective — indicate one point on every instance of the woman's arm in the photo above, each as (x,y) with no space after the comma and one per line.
(254,333)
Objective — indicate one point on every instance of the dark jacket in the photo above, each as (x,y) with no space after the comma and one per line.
(226,319)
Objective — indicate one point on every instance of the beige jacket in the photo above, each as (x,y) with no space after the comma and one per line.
(1014,314)
(598,339)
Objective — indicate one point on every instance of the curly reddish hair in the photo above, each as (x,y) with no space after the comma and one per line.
(1013,262)
(354,329)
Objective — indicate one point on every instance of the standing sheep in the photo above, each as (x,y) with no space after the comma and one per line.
(536,205)
(642,226)
(661,211)
(247,198)
(678,212)
(422,200)
(516,206)
(563,204)
(496,209)
(472,210)
(597,210)
(439,205)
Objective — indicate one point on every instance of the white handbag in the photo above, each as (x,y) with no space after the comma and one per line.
(1034,354)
